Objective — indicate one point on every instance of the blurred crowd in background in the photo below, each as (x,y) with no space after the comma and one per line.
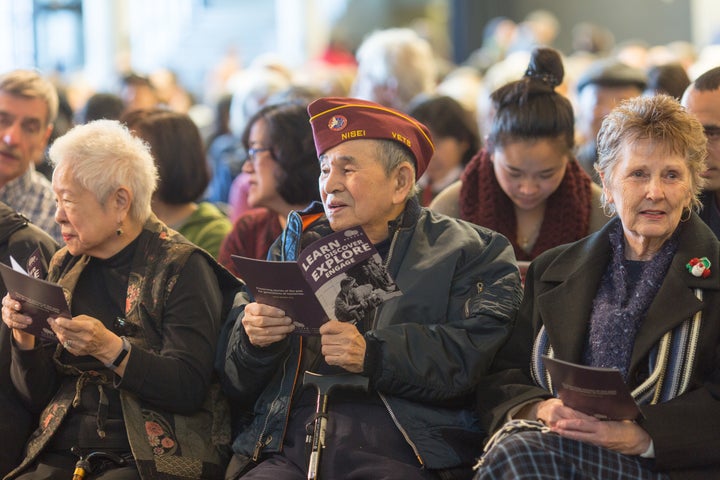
(399,67)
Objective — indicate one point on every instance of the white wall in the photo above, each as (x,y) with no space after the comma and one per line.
(705,21)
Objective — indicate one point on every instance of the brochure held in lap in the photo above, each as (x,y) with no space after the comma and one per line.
(600,392)
(340,276)
(39,298)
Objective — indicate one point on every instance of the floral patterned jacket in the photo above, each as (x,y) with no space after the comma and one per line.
(164,445)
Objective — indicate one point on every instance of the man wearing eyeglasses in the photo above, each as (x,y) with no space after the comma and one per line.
(422,352)
(702,99)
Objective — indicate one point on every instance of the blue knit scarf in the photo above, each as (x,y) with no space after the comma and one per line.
(621,304)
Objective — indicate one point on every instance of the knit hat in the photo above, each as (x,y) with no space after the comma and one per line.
(335,120)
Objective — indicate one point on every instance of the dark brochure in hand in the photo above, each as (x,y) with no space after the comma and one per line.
(340,276)
(39,298)
(600,392)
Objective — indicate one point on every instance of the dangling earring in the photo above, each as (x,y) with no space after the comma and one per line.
(119,230)
(608,210)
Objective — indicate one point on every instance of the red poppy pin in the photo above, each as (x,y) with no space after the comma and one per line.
(699,267)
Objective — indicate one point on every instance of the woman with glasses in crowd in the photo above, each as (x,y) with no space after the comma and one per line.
(283,172)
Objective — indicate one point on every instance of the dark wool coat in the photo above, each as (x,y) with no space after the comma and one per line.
(559,292)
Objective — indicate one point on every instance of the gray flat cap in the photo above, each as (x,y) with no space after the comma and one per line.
(612,73)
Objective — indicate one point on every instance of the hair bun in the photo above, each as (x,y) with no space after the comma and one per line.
(546,66)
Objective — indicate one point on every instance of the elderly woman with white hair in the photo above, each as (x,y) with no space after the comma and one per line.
(130,381)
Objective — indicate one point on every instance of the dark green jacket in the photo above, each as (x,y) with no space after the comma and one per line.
(427,350)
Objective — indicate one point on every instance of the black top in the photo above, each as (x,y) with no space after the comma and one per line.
(101,291)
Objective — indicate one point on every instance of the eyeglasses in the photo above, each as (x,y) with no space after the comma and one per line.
(253,152)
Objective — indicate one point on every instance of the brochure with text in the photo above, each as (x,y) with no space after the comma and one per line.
(600,392)
(339,276)
(39,298)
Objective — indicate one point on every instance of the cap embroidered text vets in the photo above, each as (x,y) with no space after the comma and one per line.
(336,120)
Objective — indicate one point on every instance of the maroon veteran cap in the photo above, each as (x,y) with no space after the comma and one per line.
(336,120)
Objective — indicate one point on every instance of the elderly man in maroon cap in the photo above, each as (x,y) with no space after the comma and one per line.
(425,350)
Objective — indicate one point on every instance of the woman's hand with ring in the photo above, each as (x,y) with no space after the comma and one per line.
(84,335)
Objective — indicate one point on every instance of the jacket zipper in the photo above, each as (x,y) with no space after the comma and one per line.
(382,397)
(402,430)
(264,442)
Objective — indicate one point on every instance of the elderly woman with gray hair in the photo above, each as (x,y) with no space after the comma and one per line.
(642,296)
(130,382)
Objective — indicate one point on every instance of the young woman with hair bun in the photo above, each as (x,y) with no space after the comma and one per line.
(526,183)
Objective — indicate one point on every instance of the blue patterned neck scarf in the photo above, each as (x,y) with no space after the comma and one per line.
(621,304)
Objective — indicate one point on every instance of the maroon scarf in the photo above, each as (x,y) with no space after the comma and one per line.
(567,211)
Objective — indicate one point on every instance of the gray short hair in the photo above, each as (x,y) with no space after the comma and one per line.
(391,154)
(102,156)
(30,84)
(662,120)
